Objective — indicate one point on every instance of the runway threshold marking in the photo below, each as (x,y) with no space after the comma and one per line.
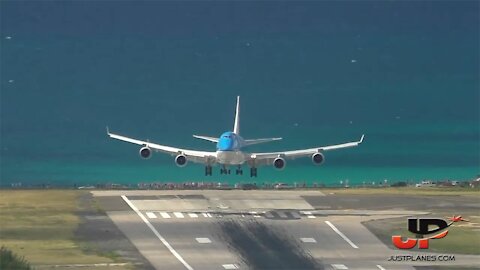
(339,266)
(296,215)
(380,267)
(193,215)
(162,239)
(151,215)
(309,214)
(341,234)
(165,215)
(255,214)
(178,214)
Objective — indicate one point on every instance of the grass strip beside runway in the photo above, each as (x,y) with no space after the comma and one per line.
(40,225)
(462,238)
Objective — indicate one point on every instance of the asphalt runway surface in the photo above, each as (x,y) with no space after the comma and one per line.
(256,229)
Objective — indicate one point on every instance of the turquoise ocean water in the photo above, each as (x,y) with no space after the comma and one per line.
(315,73)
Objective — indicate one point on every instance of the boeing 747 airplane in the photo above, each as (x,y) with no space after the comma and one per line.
(229,151)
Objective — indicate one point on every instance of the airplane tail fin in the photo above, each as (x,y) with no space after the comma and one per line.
(236,127)
(257,141)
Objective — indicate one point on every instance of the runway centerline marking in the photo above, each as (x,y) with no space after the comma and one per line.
(203,240)
(341,234)
(308,240)
(380,267)
(162,239)
(339,266)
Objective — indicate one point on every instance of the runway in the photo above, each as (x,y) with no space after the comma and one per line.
(251,230)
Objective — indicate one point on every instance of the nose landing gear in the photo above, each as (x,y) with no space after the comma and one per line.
(224,170)
(239,171)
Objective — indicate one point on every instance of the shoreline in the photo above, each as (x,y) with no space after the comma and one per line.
(252,185)
(467,191)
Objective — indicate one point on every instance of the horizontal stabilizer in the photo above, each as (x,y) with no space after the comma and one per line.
(257,141)
(206,138)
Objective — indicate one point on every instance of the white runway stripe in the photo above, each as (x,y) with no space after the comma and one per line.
(380,267)
(151,215)
(203,240)
(165,215)
(308,240)
(178,214)
(269,215)
(309,214)
(295,215)
(255,214)
(339,266)
(341,234)
(162,239)
(272,214)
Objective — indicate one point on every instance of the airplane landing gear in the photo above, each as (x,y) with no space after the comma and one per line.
(253,172)
(239,171)
(224,170)
(208,170)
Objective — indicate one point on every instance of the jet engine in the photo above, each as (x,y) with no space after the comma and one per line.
(279,163)
(145,152)
(318,158)
(181,160)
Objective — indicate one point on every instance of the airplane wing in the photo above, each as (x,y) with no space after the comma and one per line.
(267,158)
(192,155)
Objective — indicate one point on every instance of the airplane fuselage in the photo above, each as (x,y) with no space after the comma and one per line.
(229,149)
(229,141)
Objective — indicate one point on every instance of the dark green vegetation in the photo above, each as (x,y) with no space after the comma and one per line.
(11,261)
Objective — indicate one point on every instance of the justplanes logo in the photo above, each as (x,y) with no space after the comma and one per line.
(422,227)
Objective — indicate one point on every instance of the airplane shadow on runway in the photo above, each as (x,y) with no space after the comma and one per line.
(263,247)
